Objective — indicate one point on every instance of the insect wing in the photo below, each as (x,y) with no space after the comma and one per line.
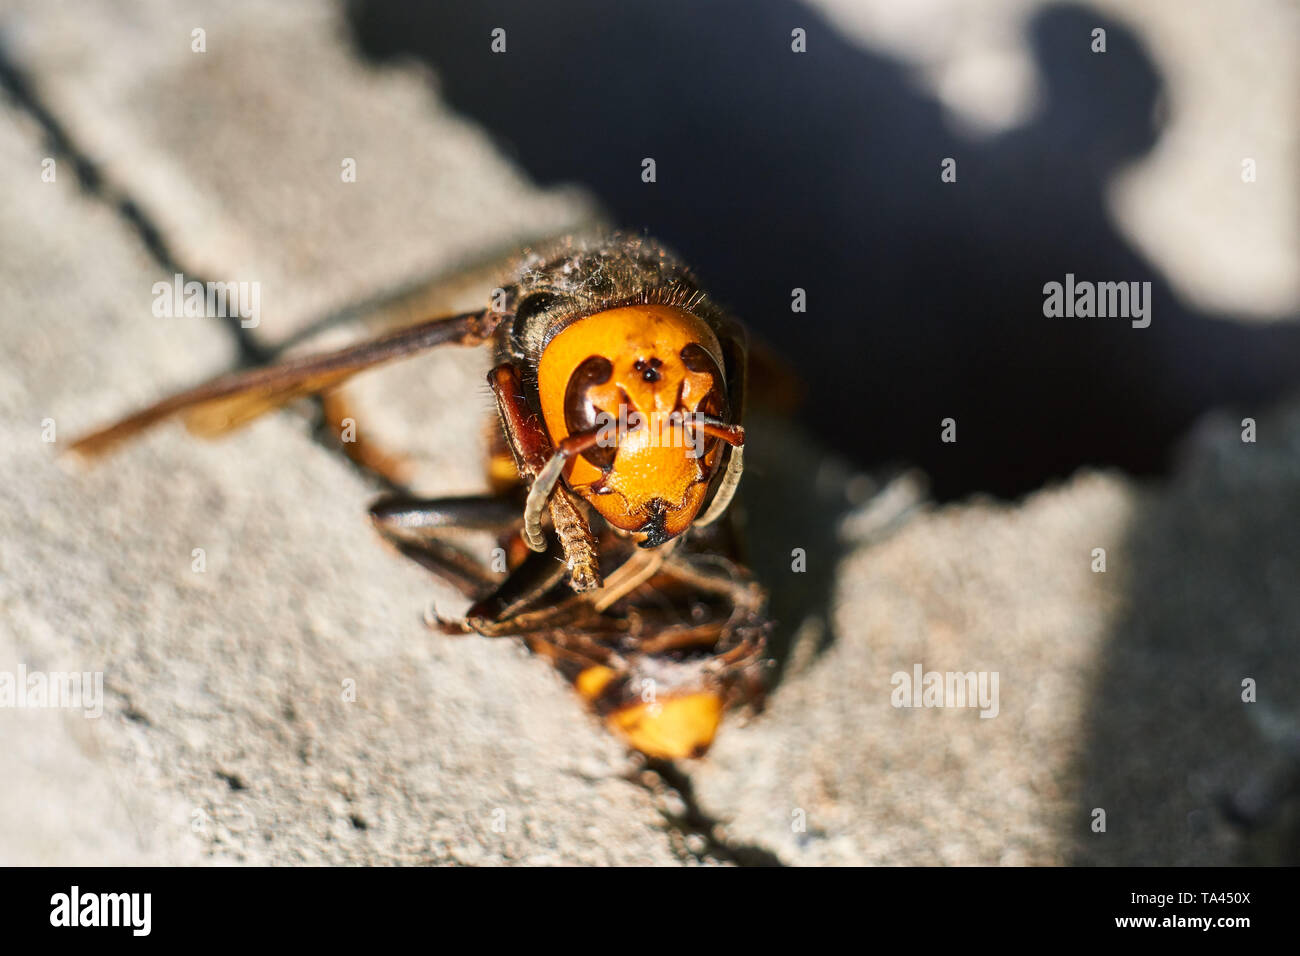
(231,400)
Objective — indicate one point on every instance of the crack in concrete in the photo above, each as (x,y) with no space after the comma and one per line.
(694,835)
(95,184)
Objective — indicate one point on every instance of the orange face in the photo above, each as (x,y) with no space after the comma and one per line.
(642,373)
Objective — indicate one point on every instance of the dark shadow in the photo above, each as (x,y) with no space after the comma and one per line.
(785,505)
(821,171)
(1187,772)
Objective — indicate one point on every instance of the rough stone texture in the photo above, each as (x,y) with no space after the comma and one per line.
(224,734)
(225,737)
(977,588)
(236,153)
(1119,690)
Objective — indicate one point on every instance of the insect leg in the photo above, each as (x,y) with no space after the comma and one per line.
(360,448)
(532,449)
(528,602)
(532,603)
(715,574)
(741,632)
(417,526)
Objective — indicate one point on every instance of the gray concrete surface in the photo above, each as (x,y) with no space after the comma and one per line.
(1118,690)
(225,737)
(1232,69)
(236,153)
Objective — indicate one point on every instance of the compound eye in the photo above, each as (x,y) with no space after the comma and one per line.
(696,358)
(535,304)
(714,404)
(580,412)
